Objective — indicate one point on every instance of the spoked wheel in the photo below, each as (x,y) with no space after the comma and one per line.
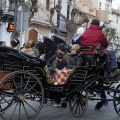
(23,98)
(5,101)
(116,100)
(78,103)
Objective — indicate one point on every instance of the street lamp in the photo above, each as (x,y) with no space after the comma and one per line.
(68,8)
(15,18)
(58,16)
(1,11)
(14,35)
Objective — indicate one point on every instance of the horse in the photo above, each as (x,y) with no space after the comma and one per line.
(48,46)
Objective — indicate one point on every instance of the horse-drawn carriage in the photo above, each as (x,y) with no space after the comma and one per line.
(24,87)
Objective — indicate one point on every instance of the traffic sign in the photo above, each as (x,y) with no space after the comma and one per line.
(10,27)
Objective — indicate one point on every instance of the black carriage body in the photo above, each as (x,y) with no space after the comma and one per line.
(13,60)
(80,77)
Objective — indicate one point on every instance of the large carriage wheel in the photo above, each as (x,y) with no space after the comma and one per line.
(21,96)
(78,103)
(116,100)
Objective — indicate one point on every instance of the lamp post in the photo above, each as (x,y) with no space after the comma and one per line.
(15,19)
(1,11)
(0,4)
(68,8)
(58,16)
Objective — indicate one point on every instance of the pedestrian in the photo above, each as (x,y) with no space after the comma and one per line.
(15,44)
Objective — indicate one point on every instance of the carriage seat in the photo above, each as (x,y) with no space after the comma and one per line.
(7,52)
(88,58)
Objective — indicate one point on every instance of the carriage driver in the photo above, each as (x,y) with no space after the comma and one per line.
(93,36)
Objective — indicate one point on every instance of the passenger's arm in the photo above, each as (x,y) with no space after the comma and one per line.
(104,41)
(79,62)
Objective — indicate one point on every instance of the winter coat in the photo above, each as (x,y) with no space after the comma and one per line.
(75,60)
(29,51)
(66,57)
(93,36)
(61,64)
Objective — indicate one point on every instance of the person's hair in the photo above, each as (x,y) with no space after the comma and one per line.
(32,43)
(59,55)
(61,47)
(95,22)
(15,42)
(1,42)
(76,47)
(27,45)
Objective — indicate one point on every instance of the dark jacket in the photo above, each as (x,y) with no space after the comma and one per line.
(75,60)
(61,64)
(66,57)
(92,36)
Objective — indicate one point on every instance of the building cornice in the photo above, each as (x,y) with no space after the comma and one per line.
(116,11)
(40,22)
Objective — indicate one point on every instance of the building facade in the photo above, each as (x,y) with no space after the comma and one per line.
(39,24)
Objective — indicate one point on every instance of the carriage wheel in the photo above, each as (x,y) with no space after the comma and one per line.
(78,103)
(22,98)
(116,100)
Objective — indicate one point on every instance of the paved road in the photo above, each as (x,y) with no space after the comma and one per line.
(49,112)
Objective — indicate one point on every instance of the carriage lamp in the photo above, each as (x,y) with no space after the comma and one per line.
(102,53)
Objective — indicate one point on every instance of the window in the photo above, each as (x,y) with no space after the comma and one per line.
(47,4)
(107,6)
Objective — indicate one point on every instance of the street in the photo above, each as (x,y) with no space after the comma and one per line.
(49,112)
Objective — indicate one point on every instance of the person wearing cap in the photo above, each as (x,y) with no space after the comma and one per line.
(94,36)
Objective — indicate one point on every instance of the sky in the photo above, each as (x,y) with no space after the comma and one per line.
(116,4)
